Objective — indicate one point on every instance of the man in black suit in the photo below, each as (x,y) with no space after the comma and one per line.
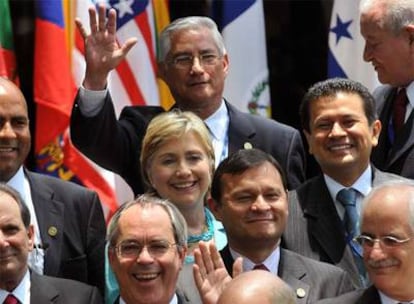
(249,196)
(194,64)
(341,127)
(17,281)
(147,246)
(387,229)
(388,29)
(68,219)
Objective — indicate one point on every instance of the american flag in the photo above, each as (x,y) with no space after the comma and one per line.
(133,83)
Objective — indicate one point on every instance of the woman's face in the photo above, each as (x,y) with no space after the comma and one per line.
(180,170)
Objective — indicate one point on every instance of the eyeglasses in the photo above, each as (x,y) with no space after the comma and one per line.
(184,62)
(133,249)
(387,241)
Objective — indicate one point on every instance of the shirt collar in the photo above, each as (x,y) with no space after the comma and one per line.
(17,181)
(271,262)
(363,184)
(410,94)
(218,121)
(174,300)
(387,300)
(21,292)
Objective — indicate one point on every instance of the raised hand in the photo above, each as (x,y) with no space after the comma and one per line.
(102,51)
(210,274)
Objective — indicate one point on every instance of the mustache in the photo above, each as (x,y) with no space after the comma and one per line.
(382,263)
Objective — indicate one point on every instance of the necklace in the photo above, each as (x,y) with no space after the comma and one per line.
(207,235)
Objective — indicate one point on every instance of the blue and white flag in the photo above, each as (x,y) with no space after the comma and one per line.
(346,46)
(243,29)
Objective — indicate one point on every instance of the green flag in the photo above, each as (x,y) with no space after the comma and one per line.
(7,57)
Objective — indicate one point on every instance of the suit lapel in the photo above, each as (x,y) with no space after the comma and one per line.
(227,259)
(41,292)
(50,217)
(324,225)
(370,296)
(403,142)
(291,272)
(240,130)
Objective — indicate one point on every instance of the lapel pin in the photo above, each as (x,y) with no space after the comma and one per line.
(300,292)
(52,231)
(247,146)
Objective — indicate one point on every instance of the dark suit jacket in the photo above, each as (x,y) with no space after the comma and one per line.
(72,225)
(116,145)
(318,280)
(45,289)
(314,228)
(361,296)
(397,158)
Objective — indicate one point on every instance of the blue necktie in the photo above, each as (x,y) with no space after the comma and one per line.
(347,197)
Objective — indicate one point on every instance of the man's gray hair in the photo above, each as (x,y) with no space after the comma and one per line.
(189,23)
(179,225)
(397,13)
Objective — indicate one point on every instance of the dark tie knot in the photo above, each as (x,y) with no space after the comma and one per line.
(347,197)
(260,267)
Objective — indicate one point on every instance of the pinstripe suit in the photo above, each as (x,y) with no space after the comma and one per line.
(315,280)
(314,227)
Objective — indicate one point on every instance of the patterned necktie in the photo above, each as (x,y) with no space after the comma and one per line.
(260,267)
(398,110)
(347,197)
(11,299)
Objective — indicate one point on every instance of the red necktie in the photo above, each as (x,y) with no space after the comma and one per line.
(11,299)
(399,108)
(260,266)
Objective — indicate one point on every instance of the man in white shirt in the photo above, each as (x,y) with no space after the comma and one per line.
(194,64)
(17,281)
(341,126)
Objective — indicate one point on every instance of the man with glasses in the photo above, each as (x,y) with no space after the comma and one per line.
(194,64)
(387,239)
(147,245)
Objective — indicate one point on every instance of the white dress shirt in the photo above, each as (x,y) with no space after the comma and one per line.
(21,292)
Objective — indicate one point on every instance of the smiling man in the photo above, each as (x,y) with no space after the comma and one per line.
(68,219)
(387,231)
(147,245)
(341,127)
(249,196)
(193,62)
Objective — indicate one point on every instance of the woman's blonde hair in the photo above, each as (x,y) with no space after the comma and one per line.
(168,125)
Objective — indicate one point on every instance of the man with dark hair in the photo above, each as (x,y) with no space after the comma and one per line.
(194,64)
(18,284)
(249,196)
(341,127)
(388,29)
(69,224)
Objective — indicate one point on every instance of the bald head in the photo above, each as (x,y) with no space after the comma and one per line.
(9,89)
(257,286)
(14,130)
